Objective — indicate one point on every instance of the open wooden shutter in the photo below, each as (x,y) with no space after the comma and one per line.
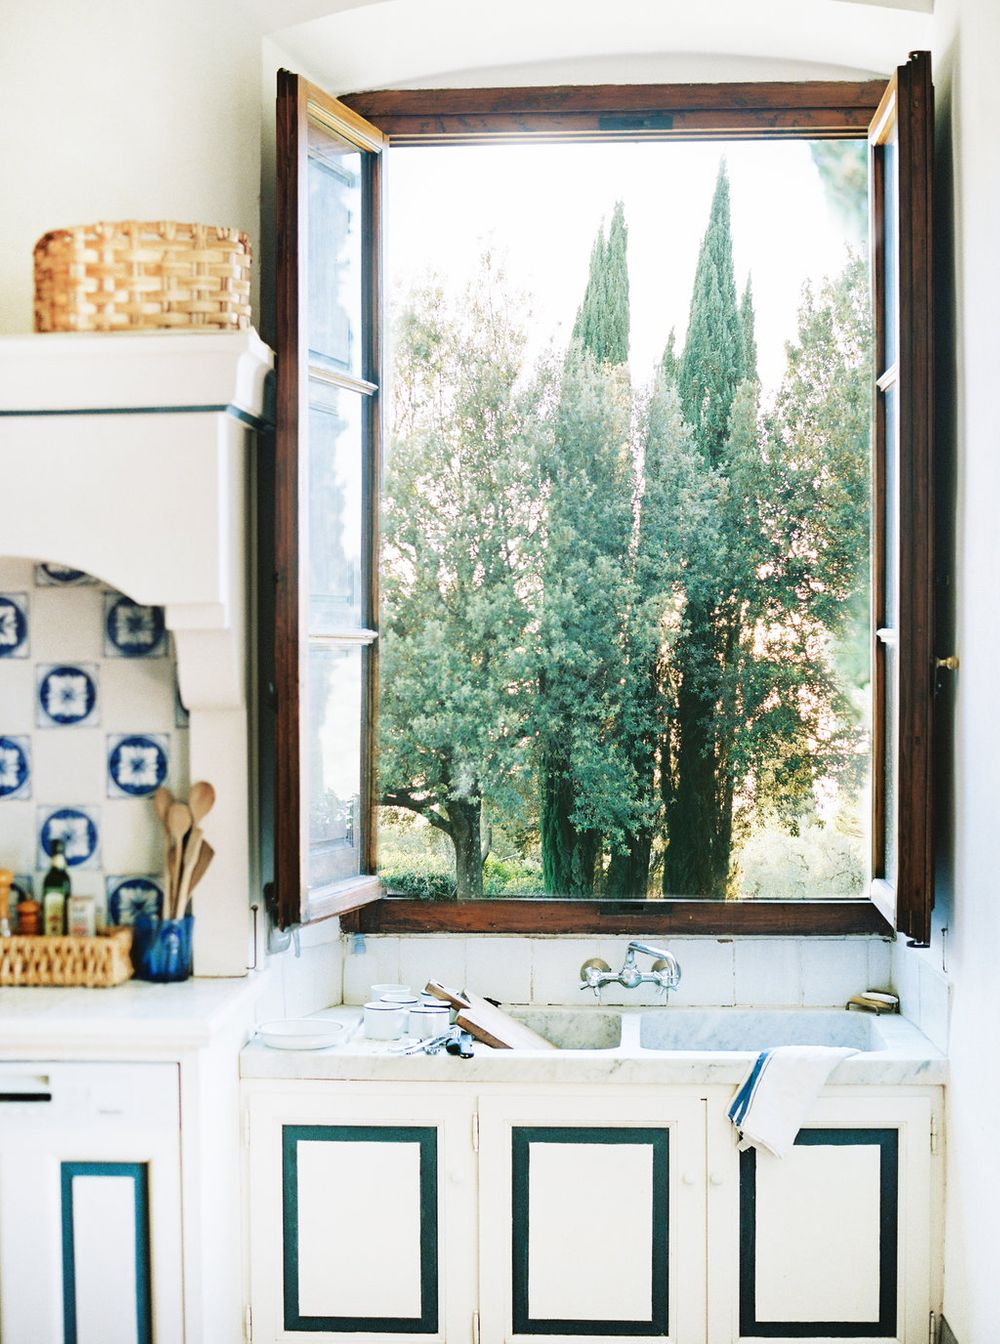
(901,150)
(325,488)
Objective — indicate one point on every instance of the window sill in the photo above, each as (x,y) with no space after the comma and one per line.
(394,914)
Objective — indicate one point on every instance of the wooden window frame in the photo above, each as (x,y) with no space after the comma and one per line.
(818,110)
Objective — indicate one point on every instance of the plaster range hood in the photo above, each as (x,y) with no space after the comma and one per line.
(128,456)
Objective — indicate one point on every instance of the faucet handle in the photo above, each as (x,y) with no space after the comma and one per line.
(594,974)
(668,971)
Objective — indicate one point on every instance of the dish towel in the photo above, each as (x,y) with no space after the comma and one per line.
(777,1094)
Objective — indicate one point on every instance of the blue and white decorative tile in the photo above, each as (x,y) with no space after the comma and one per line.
(137,764)
(131,896)
(77,827)
(67,695)
(61,576)
(15,767)
(133,631)
(13,625)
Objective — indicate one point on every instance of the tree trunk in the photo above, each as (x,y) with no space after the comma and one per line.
(699,810)
(569,856)
(465,819)
(628,874)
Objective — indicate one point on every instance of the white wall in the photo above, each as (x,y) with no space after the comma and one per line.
(122,109)
(967,35)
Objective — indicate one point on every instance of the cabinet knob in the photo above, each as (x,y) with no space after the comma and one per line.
(689,1178)
(716,1178)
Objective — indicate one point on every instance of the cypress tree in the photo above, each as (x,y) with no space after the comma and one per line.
(747,322)
(712,365)
(698,791)
(589,527)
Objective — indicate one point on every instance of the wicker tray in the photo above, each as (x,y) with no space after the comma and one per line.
(94,962)
(142,276)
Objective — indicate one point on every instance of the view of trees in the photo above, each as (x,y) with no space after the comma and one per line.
(624,630)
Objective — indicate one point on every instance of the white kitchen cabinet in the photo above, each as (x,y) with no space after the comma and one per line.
(598,1213)
(90,1204)
(362,1212)
(833,1241)
(592,1217)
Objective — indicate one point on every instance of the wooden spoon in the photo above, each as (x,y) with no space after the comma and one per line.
(178,824)
(201,801)
(163,801)
(205,856)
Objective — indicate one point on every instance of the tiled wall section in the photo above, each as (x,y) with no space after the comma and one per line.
(924,990)
(113,679)
(760,971)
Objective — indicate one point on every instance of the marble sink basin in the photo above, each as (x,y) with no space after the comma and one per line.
(575,1028)
(755,1029)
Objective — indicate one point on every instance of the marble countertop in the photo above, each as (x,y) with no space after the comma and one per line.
(133,1018)
(905,1057)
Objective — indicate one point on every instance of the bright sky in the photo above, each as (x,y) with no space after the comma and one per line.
(540,206)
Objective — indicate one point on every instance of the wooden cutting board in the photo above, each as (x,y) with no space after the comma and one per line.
(487,1023)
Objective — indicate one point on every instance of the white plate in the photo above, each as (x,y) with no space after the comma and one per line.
(300,1033)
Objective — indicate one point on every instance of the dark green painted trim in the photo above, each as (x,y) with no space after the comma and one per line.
(522,1137)
(138,1172)
(254,421)
(887,1140)
(425,1136)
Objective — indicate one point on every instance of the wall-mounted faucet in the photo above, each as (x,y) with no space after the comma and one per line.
(666,972)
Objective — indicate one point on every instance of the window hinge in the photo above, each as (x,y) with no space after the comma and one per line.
(932,1329)
(935,1138)
(248,1324)
(475,1133)
(246,1127)
(475,1328)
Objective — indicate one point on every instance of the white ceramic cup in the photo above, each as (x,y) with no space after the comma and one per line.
(406,1000)
(380,991)
(427,1020)
(385,1021)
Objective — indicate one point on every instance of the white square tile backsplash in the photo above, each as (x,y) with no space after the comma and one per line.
(818,972)
(83,671)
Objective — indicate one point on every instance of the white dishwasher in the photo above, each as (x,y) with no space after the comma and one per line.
(90,1204)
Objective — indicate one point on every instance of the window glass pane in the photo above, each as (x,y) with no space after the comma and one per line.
(336,531)
(335,698)
(335,228)
(891,469)
(625,644)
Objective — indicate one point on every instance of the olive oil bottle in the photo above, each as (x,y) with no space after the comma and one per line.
(56,892)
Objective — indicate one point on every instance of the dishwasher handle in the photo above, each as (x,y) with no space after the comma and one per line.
(22,1087)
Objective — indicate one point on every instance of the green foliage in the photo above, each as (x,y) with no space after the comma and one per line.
(459,518)
(625,629)
(712,365)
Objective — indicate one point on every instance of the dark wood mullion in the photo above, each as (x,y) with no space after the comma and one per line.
(651,110)
(371,319)
(915,890)
(877,169)
(531,915)
(292,343)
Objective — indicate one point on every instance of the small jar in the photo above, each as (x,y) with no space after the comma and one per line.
(385,1021)
(429,1019)
(380,991)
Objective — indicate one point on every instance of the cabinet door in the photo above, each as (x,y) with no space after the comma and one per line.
(90,1224)
(592,1218)
(362,1213)
(831,1241)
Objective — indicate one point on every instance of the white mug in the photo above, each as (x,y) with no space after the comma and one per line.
(385,1021)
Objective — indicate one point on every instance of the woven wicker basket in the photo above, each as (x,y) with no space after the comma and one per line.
(142,277)
(94,962)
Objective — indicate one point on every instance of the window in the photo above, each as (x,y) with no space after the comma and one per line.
(328,464)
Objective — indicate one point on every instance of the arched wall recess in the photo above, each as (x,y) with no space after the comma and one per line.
(128,457)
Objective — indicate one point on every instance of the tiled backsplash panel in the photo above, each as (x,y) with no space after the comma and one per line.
(89,727)
(714,971)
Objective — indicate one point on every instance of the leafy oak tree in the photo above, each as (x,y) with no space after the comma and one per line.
(459,521)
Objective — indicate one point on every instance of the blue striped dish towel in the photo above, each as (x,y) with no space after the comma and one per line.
(777,1094)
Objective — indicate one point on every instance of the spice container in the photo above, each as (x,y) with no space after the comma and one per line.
(82,916)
